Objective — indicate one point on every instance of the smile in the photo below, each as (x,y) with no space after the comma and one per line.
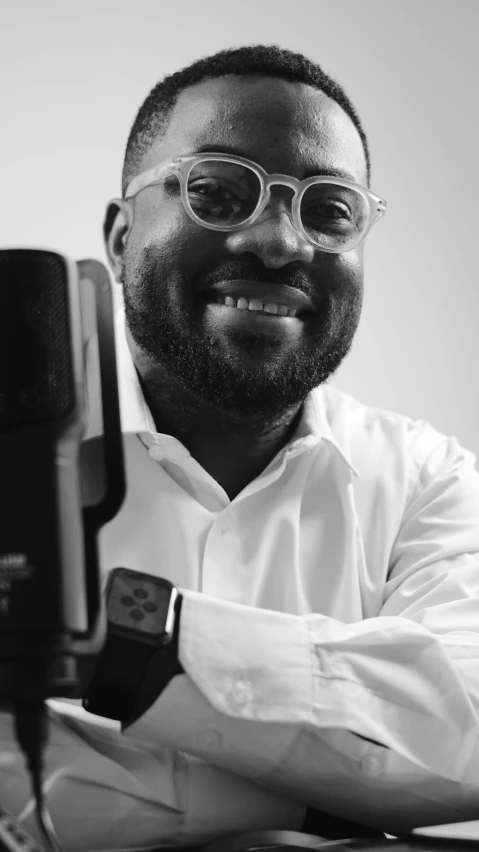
(255,305)
(270,301)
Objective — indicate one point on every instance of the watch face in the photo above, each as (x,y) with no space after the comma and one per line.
(138,602)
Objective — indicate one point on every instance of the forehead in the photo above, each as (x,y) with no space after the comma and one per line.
(285,127)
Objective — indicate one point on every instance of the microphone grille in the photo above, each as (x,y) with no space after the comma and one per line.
(36,360)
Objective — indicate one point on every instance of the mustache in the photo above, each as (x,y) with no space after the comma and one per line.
(246,270)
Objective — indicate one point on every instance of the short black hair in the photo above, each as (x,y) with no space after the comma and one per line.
(254,60)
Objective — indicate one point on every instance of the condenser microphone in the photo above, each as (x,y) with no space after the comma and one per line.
(51,310)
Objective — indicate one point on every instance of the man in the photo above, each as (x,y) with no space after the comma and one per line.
(326,552)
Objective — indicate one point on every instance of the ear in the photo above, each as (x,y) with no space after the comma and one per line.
(116,227)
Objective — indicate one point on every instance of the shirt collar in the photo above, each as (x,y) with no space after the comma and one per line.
(314,425)
(134,412)
(136,417)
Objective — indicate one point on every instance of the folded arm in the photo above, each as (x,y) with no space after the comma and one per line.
(377,720)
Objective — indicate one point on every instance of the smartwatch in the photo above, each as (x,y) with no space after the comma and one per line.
(140,654)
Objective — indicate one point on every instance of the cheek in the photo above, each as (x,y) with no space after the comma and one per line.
(341,274)
(350,269)
(166,233)
(155,225)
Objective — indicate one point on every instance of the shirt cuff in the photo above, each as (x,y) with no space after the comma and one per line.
(250,663)
(244,667)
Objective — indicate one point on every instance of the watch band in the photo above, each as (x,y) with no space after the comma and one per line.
(129,676)
(162,666)
(124,666)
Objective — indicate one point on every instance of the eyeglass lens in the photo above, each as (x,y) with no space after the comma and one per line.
(227,194)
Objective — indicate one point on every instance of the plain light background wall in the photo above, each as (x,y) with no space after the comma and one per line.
(73,75)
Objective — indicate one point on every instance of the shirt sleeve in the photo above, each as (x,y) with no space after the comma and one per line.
(107,791)
(376,720)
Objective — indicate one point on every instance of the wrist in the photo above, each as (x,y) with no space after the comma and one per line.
(162,667)
(140,653)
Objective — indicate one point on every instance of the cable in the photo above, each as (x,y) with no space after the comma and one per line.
(31,725)
(44,820)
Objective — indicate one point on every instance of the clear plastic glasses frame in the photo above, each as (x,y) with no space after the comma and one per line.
(182,166)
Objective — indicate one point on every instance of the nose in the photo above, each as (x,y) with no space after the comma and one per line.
(272,238)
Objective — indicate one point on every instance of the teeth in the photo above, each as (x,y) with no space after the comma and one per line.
(256,305)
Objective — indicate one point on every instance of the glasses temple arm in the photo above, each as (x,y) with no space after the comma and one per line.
(147,178)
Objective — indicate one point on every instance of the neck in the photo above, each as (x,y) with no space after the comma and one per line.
(232,450)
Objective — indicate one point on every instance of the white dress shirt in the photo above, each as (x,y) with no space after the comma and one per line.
(329,635)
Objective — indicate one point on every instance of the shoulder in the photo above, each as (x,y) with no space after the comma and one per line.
(382,442)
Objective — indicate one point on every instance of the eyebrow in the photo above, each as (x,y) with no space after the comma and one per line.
(225,149)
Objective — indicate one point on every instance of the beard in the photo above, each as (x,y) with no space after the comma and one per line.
(165,322)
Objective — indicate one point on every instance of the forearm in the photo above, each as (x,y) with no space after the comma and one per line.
(293,702)
(105,792)
(331,770)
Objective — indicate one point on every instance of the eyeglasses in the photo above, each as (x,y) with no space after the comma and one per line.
(228,193)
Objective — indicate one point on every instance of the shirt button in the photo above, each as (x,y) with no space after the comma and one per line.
(242,692)
(209,738)
(371,766)
(157,453)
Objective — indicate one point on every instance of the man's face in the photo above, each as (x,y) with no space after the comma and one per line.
(233,364)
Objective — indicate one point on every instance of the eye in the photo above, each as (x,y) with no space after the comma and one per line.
(203,187)
(327,218)
(217,199)
(329,206)
(327,210)
(337,211)
(220,189)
